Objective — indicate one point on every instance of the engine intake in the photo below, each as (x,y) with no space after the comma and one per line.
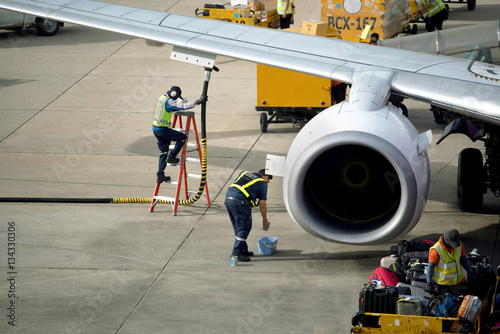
(356,177)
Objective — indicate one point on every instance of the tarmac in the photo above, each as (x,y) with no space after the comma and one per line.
(75,122)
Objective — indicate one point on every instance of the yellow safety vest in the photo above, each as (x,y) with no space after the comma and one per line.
(163,116)
(448,270)
(435,8)
(245,180)
(281,7)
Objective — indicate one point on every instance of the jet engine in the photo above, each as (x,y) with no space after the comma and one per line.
(357,177)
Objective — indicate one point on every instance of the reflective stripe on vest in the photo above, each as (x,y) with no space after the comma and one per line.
(245,180)
(281,7)
(435,8)
(163,113)
(448,270)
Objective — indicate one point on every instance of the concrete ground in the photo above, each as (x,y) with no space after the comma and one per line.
(75,121)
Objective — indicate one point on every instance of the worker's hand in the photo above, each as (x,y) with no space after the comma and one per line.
(428,289)
(265,225)
(201,100)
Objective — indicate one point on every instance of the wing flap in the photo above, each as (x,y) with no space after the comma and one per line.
(471,99)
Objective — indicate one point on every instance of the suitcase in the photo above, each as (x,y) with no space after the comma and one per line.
(416,290)
(409,305)
(385,275)
(207,11)
(416,271)
(469,309)
(399,270)
(378,299)
(387,261)
(422,256)
(408,246)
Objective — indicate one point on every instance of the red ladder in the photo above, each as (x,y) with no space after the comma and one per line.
(183,175)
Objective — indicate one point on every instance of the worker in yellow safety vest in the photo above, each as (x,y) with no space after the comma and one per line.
(247,191)
(165,106)
(446,259)
(436,14)
(285,11)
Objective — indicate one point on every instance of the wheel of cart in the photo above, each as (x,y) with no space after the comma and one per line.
(471,4)
(296,116)
(263,122)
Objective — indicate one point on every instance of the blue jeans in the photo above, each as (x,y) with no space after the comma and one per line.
(241,218)
(164,136)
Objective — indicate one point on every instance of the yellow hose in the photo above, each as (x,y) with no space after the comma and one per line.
(203,180)
(183,202)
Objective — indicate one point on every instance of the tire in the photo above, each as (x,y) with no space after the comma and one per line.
(470,180)
(46,27)
(471,5)
(263,122)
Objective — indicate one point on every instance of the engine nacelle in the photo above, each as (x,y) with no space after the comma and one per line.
(357,177)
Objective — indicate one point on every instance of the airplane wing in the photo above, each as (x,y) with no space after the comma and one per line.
(358,172)
(456,41)
(470,88)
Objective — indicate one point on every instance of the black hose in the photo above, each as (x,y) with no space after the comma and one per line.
(78,200)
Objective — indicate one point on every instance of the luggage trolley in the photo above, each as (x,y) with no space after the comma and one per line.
(266,19)
(471,4)
(486,321)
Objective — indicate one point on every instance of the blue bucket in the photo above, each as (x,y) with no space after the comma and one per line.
(268,245)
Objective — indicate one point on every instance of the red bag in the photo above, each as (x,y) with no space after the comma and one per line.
(385,275)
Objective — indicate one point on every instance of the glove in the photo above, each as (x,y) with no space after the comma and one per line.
(201,100)
(428,289)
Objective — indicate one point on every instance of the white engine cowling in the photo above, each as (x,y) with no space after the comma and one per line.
(357,177)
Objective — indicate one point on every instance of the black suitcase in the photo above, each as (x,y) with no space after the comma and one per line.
(207,12)
(378,299)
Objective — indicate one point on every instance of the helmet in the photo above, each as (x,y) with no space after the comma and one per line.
(174,92)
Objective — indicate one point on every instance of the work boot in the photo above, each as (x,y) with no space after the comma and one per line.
(173,160)
(162,178)
(249,253)
(243,258)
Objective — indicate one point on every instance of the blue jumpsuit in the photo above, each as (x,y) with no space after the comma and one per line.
(240,210)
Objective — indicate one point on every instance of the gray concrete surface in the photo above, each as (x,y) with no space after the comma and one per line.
(75,121)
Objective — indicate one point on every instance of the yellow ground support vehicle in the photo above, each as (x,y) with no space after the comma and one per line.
(486,321)
(292,97)
(289,97)
(242,15)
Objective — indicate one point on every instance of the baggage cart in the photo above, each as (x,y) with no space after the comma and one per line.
(384,323)
(471,4)
(266,19)
(386,17)
(261,13)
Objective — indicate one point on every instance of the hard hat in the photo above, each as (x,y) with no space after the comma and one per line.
(174,92)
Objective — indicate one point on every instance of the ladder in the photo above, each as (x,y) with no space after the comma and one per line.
(182,175)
